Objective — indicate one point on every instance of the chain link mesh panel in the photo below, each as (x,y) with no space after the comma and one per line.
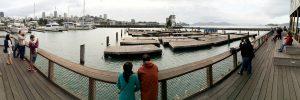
(106,91)
(186,85)
(42,64)
(72,82)
(222,68)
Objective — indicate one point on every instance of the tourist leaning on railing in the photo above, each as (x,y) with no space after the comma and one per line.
(128,83)
(247,53)
(33,44)
(288,40)
(148,75)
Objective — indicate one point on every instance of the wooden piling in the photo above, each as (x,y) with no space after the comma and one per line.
(117,36)
(107,41)
(121,33)
(82,53)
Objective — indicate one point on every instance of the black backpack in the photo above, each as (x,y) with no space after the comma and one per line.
(5,46)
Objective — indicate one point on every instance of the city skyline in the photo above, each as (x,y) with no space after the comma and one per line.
(251,12)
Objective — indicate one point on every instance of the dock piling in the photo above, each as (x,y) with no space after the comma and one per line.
(248,35)
(107,41)
(116,36)
(82,53)
(121,33)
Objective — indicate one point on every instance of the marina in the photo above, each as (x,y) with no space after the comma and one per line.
(98,50)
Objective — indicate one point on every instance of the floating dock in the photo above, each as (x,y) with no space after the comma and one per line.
(132,50)
(191,44)
(166,41)
(140,42)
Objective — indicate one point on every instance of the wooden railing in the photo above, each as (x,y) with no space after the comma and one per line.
(94,75)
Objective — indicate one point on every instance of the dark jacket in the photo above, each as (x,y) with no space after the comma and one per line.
(246,50)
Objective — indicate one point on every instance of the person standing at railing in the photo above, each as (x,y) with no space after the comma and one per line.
(21,39)
(33,45)
(16,49)
(8,49)
(148,75)
(247,53)
(128,83)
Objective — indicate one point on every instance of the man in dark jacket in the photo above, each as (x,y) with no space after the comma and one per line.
(247,53)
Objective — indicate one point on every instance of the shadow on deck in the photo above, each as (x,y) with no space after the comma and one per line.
(267,82)
(16,83)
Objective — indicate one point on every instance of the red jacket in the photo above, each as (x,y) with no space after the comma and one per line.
(288,40)
(148,75)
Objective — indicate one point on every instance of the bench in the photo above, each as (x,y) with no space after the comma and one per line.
(294,49)
(288,58)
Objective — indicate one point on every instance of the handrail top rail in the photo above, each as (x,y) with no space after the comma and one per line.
(111,77)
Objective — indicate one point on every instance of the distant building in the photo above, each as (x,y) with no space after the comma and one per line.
(172,21)
(43,15)
(65,15)
(100,16)
(55,14)
(1,14)
(132,21)
(105,16)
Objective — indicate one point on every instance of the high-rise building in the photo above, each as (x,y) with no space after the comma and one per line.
(65,15)
(1,14)
(105,16)
(43,15)
(55,14)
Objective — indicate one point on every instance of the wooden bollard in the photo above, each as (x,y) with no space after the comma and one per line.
(82,53)
(228,36)
(107,41)
(248,35)
(121,33)
(117,36)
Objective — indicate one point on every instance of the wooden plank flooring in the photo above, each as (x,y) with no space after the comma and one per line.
(267,82)
(16,83)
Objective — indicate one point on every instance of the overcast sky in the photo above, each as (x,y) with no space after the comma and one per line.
(244,12)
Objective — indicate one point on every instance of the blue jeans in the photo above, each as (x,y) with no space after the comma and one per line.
(246,64)
(33,58)
(282,46)
(15,51)
(22,52)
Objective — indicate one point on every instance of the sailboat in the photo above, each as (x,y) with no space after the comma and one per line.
(83,24)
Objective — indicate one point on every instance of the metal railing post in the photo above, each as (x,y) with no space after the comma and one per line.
(92,88)
(164,93)
(209,76)
(50,70)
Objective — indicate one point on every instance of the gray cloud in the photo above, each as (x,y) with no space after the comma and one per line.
(191,11)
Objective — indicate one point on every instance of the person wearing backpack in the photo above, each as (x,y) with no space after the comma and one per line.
(128,83)
(8,49)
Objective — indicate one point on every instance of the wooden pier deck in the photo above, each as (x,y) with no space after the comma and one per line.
(16,83)
(267,82)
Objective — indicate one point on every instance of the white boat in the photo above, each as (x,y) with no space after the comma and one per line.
(54,27)
(69,25)
(17,27)
(84,26)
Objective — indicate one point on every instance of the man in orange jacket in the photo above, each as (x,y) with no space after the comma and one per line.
(148,75)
